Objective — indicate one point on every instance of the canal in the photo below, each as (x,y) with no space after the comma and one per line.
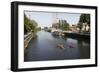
(44,47)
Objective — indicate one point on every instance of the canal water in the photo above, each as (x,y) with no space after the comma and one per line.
(45,47)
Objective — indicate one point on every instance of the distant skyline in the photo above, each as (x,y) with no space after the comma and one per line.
(45,19)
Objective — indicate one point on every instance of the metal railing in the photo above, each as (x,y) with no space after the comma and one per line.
(27,39)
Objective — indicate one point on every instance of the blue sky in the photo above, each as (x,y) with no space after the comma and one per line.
(45,19)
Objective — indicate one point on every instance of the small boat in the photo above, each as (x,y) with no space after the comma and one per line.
(55,33)
(70,46)
(60,46)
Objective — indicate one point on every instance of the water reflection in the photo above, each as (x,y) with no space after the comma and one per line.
(44,48)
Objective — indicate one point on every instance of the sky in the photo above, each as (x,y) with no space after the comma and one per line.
(45,19)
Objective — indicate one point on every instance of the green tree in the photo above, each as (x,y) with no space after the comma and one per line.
(65,25)
(84,18)
(29,25)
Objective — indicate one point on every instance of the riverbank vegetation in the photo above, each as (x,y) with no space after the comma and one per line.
(29,25)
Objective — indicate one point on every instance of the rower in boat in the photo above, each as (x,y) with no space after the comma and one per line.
(60,46)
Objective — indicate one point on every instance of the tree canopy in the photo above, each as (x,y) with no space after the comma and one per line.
(84,18)
(66,25)
(29,24)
